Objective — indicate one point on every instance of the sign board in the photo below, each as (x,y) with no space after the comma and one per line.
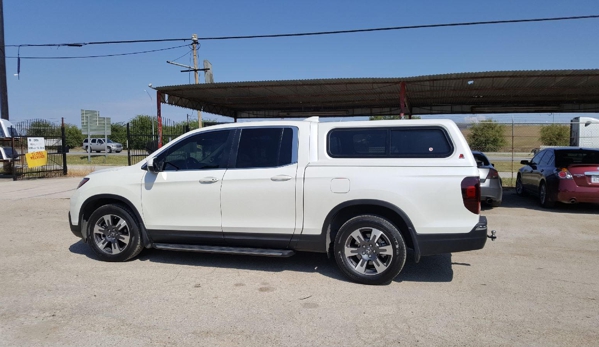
(35,144)
(93,124)
(36,152)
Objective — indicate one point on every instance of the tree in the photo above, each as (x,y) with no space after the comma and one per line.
(73,135)
(486,136)
(391,117)
(118,133)
(555,135)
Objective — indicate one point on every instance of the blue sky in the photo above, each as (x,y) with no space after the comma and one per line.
(117,86)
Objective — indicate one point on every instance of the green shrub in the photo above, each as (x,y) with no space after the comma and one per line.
(555,135)
(486,136)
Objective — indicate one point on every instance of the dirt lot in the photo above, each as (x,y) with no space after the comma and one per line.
(537,285)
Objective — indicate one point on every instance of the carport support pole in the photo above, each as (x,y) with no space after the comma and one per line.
(159,116)
(402,98)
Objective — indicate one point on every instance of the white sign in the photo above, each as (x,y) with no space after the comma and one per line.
(35,144)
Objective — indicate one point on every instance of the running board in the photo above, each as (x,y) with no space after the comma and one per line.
(226,250)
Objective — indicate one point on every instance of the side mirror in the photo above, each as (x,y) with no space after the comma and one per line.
(524,162)
(152,167)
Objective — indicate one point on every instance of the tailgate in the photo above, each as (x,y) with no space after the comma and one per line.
(585,175)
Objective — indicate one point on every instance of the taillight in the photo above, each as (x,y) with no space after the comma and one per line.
(471,194)
(564,174)
(83,181)
(492,174)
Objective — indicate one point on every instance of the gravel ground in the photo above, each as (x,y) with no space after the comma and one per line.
(537,285)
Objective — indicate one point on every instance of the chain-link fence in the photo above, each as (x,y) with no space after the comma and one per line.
(506,144)
(14,162)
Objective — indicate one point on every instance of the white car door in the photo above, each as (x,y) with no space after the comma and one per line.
(258,192)
(181,203)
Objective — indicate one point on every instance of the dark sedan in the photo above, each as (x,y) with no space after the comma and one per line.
(562,174)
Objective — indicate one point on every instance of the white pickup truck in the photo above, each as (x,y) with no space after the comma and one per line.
(363,192)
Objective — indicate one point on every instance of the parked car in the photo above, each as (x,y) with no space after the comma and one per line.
(566,174)
(363,192)
(98,145)
(491,189)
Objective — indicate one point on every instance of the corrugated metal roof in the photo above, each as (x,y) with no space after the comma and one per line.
(472,92)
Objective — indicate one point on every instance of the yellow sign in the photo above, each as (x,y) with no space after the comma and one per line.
(36,159)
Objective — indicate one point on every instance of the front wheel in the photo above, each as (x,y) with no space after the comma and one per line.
(113,233)
(370,250)
(109,149)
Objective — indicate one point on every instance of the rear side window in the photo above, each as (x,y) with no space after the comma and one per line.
(408,142)
(265,147)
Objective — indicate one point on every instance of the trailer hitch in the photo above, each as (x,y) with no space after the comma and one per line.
(493,235)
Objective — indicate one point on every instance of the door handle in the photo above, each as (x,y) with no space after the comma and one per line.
(208,180)
(280,178)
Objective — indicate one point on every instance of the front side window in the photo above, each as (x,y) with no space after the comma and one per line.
(408,142)
(203,151)
(265,147)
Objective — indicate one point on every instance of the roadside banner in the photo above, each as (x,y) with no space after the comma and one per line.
(35,159)
(36,152)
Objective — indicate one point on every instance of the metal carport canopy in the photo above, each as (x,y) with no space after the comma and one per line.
(458,93)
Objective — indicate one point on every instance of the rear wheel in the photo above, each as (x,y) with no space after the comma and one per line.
(370,250)
(113,233)
(519,186)
(544,196)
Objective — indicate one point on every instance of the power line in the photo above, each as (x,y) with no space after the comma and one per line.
(423,26)
(81,44)
(511,21)
(103,55)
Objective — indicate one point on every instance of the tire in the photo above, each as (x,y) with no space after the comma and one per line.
(386,255)
(116,243)
(544,196)
(109,149)
(88,149)
(519,186)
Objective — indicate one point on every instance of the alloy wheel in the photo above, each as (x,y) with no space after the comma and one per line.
(368,251)
(111,234)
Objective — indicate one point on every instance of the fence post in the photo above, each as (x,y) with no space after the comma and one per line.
(12,162)
(64,148)
(513,150)
(128,147)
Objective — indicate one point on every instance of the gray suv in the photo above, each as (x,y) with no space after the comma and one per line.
(99,145)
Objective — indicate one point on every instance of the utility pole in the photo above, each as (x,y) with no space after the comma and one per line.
(195,69)
(3,87)
(194,39)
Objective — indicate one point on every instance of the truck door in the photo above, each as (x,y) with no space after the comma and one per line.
(181,204)
(258,191)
